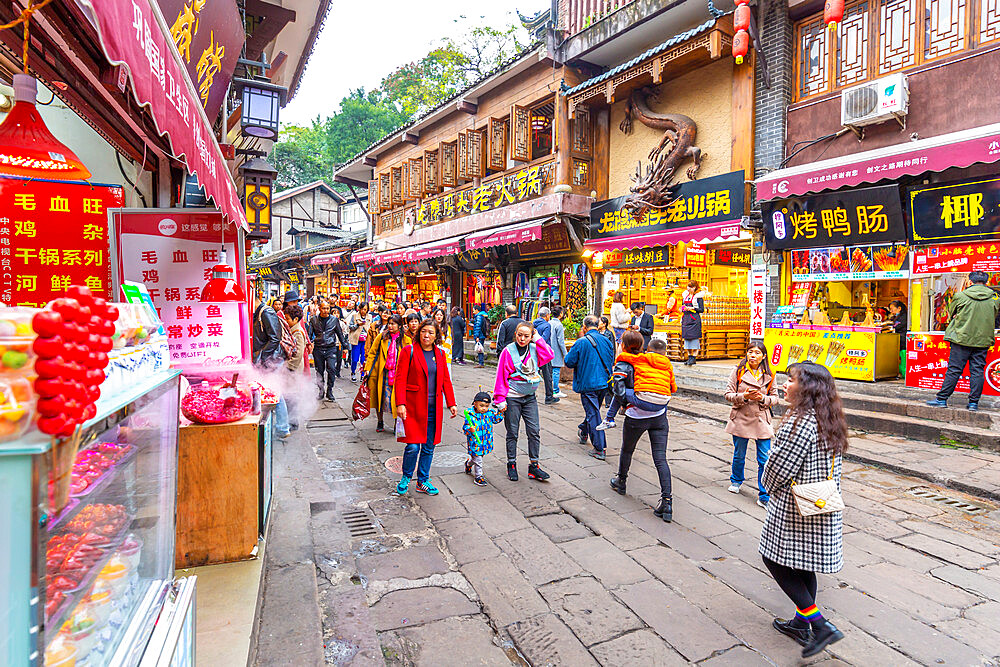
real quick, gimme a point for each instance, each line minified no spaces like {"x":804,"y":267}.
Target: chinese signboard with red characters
{"x":695,"y":255}
{"x":172,"y":252}
{"x":555,"y":240}
{"x":927,"y":362}
{"x":758,"y":296}
{"x":956,"y":212}
{"x":957,"y":258}
{"x":843,"y":218}
{"x":732,"y":257}
{"x":54,"y":234}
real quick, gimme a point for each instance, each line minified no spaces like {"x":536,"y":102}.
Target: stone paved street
{"x":569,"y":572}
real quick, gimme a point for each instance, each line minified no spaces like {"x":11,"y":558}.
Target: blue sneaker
{"x":937,"y":403}
{"x":404,"y":484}
{"x":427,"y":487}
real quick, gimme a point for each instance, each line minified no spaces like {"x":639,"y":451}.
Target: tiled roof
{"x":660,"y":48}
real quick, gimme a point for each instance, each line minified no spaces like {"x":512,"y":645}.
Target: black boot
{"x":512,"y":472}
{"x":789,"y":628}
{"x":824,"y":634}
{"x":665,"y":509}
{"x":535,"y":472}
{"x":618,"y":484}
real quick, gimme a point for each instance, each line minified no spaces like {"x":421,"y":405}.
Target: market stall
{"x":845,"y":260}
{"x":954,"y":233}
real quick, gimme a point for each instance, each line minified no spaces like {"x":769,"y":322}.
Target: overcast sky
{"x":363,"y":40}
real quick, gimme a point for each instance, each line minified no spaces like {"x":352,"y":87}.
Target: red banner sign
{"x":695,"y":255}
{"x":132,"y":34}
{"x":927,"y":362}
{"x":956,"y":258}
{"x":53,"y":234}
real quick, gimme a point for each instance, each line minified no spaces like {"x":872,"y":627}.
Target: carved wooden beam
{"x":465,"y":106}
{"x":411,"y":138}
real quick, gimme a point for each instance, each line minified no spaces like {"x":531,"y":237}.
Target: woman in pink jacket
{"x":518,"y":376}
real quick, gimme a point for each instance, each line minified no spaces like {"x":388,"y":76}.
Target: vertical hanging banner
{"x":54,"y":234}
{"x":757,"y":291}
{"x":172,"y":252}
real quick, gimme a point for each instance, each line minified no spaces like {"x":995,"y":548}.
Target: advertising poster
{"x":884,"y":262}
{"x":172,"y":252}
{"x":54,"y":234}
{"x":757,"y":291}
{"x":957,"y":258}
{"x":927,"y":361}
{"x":967,"y":211}
{"x":849,"y":355}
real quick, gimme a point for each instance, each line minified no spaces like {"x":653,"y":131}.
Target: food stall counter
{"x":849,"y":353}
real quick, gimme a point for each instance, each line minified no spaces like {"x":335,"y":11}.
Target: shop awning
{"x":135,"y":35}
{"x":509,"y":235}
{"x":363,"y":256}
{"x":717,"y":231}
{"x":327,"y":258}
{"x":437,"y":249}
{"x":955,"y":149}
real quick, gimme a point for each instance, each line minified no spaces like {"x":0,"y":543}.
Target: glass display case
{"x":94,"y":578}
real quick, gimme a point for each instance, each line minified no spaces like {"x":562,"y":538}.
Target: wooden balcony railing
{"x":581,"y":14}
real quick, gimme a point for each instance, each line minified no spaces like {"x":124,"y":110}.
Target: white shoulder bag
{"x":818,"y":497}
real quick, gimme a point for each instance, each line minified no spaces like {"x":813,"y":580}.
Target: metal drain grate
{"x":359,"y":523}
{"x":955,"y":503}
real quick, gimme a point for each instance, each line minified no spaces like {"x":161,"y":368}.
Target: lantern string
{"x":24,"y":19}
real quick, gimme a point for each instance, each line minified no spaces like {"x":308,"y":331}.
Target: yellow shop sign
{"x":849,"y":355}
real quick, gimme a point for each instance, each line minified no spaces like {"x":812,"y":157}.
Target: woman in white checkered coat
{"x":812,"y":438}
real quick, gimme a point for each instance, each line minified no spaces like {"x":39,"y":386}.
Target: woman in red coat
{"x":422,"y":365}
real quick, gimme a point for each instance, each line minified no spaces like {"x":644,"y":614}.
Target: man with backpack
{"x":480,"y":330}
{"x":592,"y":358}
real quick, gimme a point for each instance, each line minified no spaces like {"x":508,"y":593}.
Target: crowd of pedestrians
{"x":401,"y":354}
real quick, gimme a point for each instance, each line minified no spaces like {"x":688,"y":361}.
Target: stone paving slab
{"x":641,"y":647}
{"x":467,"y":541}
{"x":945,"y":551}
{"x":975,"y":582}
{"x":588,"y":609}
{"x":414,"y":606}
{"x":506,"y":595}
{"x":606,"y":523}
{"x":561,"y":527}
{"x":608,"y":563}
{"x":540,"y":560}
{"x":494,"y":513}
{"x":546,"y":640}
{"x":739,"y":656}
{"x":433,"y":644}
{"x":412,"y":563}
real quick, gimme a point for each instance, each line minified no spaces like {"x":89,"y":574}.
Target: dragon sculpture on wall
{"x":656,"y":189}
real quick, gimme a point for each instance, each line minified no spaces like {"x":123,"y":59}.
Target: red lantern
{"x":741,"y":45}
{"x":833,"y":13}
{"x":741,"y":21}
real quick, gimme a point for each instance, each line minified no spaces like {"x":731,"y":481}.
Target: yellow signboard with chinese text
{"x":849,"y":355}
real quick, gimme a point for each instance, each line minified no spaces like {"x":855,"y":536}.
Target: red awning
{"x":134,"y":34}
{"x":363,"y":256}
{"x":436,"y":249}
{"x":328,"y":258}
{"x":956,"y":149}
{"x":717,"y":231}
{"x":509,"y":235}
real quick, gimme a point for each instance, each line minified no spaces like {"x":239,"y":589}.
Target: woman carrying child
{"x":651,"y":376}
{"x":751,"y":391}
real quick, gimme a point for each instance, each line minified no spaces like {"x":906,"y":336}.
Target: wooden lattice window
{"x":397,"y":186}
{"x":581,"y":173}
{"x":416,"y":177}
{"x":878,"y":37}
{"x":432,"y":180}
{"x":384,"y":194}
{"x":406,"y":180}
{"x":477,"y":161}
{"x":449,"y":164}
{"x":497,"y":153}
{"x":373,"y":196}
{"x":520,"y":133}
{"x":463,"y":156}
{"x":582,"y":137}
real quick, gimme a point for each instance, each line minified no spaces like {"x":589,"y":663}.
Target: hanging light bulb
{"x":222,"y":286}
{"x":27,"y":148}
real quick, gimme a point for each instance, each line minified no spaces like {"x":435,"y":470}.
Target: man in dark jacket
{"x":544,"y":330}
{"x":971,"y":334}
{"x":480,"y":331}
{"x":591,"y":359}
{"x":505,"y":334}
{"x":643,"y":323}
{"x":267,"y":352}
{"x":329,"y":341}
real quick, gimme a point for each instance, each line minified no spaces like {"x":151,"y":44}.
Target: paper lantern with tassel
{"x":833,"y":13}
{"x":741,"y":45}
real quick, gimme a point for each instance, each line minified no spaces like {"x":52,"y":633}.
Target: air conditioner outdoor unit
{"x":875,"y":102}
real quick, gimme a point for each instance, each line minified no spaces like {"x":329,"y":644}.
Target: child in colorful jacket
{"x":478,"y":428}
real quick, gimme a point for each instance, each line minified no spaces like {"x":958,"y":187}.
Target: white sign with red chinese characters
{"x":172,"y":253}
{"x":758,"y":297}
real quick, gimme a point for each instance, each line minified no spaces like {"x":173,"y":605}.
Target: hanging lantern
{"x":741,"y":45}
{"x":833,"y":13}
{"x":258,"y":176}
{"x":222,"y":286}
{"x":741,"y":20}
{"x":259,"y":111}
{"x":27,"y":148}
